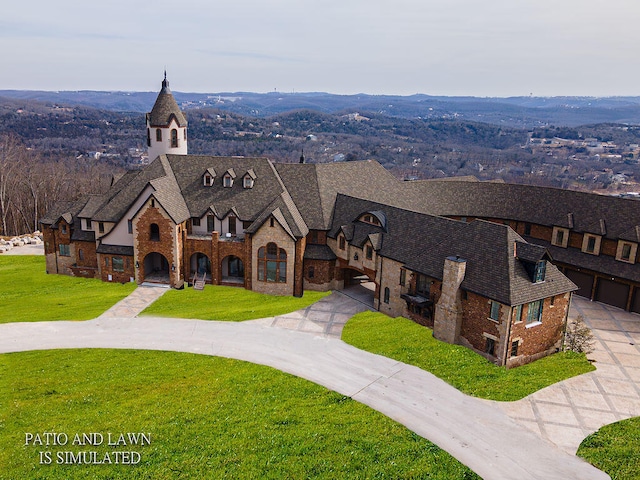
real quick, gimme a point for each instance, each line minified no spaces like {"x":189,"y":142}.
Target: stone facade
{"x":447,"y":320}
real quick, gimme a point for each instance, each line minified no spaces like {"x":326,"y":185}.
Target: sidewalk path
{"x":132,"y":305}
{"x":476,"y":432}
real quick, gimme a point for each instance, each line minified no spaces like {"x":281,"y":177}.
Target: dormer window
{"x":208,"y":180}
{"x":627,"y":251}
{"x":227,"y":181}
{"x":560,"y":237}
{"x":591,"y":244}
{"x":248,"y":182}
{"x":369,"y":218}
{"x":540,"y":271}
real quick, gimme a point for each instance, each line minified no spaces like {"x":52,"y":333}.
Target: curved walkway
{"x":474,"y":431}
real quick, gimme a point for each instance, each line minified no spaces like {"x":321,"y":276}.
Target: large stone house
{"x":480,"y":281}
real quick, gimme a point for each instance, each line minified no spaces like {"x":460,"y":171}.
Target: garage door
{"x":635,"y":304}
{"x":612,"y":293}
{"x":583,"y":280}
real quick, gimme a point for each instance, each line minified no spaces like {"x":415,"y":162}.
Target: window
{"x":148,"y":137}
{"x":64,"y":250}
{"x":154,"y":232}
{"x":174,"y":138}
{"x":422,"y":286}
{"x":272,"y":222}
{"x":232,"y":225}
{"x":591,"y":244}
{"x":495,"y":311}
{"x":208,"y":180}
{"x":527,"y":229}
{"x":559,"y":237}
{"x":210,"y":223}
{"x":517,"y":314}
{"x":195,"y":222}
{"x":64,"y":228}
{"x":80,"y":254}
{"x":118,"y":264}
{"x":403,"y":277}
{"x":387,"y":292}
{"x":539,"y":273}
{"x":514,"y":348}
{"x":534,"y":312}
{"x":272,"y":264}
{"x":227,"y":181}
{"x":490,"y":346}
{"x":101,"y":227}
{"x":247,"y":182}
{"x":312,"y":272}
{"x":158,"y":135}
{"x":626,"y":252}
{"x":341,"y":242}
{"x":106,"y":262}
{"x":88,"y":223}
{"x":552,"y":301}
{"x":130,"y":226}
{"x":369,"y":252}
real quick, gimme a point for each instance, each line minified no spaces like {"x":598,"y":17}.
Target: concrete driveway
{"x":477,"y":432}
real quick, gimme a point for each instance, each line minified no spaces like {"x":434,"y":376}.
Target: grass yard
{"x":408,"y":342}
{"x":28,"y":294}
{"x":227,"y":303}
{"x":615,"y":449}
{"x":206,"y":417}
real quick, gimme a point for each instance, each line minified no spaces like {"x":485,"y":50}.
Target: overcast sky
{"x":437,"y":47}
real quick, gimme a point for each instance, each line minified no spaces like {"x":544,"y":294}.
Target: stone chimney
{"x":448,"y":315}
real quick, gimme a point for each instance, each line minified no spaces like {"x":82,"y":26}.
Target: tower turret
{"x":166,"y":125}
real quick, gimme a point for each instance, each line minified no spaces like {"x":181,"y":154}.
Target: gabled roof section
{"x":231,"y":172}
{"x":68,"y":211}
{"x":422,"y":242}
{"x":530,"y":252}
{"x":165,"y":109}
{"x":286,"y":214}
{"x":211,"y":171}
{"x":632,"y":235}
{"x":251,"y":174}
{"x":168,"y":194}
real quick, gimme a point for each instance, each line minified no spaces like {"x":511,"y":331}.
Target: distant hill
{"x":521,"y":112}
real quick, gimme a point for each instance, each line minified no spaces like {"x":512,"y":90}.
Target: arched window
{"x":174,"y":138}
{"x":154,"y":232}
{"x":272,"y":264}
{"x":158,"y":135}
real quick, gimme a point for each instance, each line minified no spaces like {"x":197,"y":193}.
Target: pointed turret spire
{"x":165,"y":83}
{"x":302,"y":156}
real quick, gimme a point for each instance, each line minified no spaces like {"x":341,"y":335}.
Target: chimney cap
{"x":456,"y":258}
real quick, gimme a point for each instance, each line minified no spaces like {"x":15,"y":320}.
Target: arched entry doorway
{"x":201,"y":265}
{"x":359,"y":286}
{"x":156,"y":268}
{"x":232,"y":270}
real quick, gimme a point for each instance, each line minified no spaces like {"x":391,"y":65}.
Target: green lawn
{"x":28,"y":294}
{"x":408,"y":342}
{"x":615,"y":449}
{"x":207,"y":417}
{"x":227,"y":303}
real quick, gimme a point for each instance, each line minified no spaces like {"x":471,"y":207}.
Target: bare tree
{"x":578,"y":337}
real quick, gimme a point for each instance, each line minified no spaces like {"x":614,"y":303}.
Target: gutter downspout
{"x":507,"y":349}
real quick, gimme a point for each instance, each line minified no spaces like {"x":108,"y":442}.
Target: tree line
{"x":31,"y":185}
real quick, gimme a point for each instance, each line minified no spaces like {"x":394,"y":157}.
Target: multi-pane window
{"x":210,"y":223}
{"x":490,"y":346}
{"x":517,"y":314}
{"x":118,"y":264}
{"x":403,"y":277}
{"x":514,"y":348}
{"x":64,"y":250}
{"x":272,"y":264}
{"x":422,"y":286}
{"x":495,"y":311}
{"x":534,"y":312}
{"x":158,"y":135}
{"x":195,"y":222}
{"x":540,"y":271}
{"x":174,"y":138}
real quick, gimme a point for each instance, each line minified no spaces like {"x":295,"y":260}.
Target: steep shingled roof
{"x":165,"y":108}
{"x":423,"y":241}
{"x":582,"y":212}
